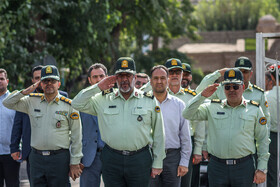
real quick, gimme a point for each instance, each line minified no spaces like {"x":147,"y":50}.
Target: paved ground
{"x":25,"y":183}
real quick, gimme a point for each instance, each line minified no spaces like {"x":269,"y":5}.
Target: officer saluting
{"x":54,"y":124}
{"x":129,"y":121}
{"x":234,"y":124}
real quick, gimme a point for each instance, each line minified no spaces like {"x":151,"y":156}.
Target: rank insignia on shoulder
{"x":258,"y":88}
{"x":216,"y":101}
{"x":148,"y":95}
{"x":74,"y":115}
{"x":66,"y":100}
{"x":157,"y":109}
{"x":254,"y":103}
{"x":36,"y":95}
{"x":266,"y":104}
{"x":262,"y":121}
{"x":107,"y":91}
{"x":192,"y":92}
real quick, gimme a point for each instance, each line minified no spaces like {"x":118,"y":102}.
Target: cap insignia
{"x":231,"y":73}
{"x":174,"y":62}
{"x":124,"y":64}
{"x":49,"y":69}
{"x":184,"y":66}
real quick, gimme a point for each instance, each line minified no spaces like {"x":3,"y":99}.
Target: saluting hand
{"x":259,"y":177}
{"x":207,"y":92}
{"x":181,"y":171}
{"x":107,"y":82}
{"x":31,"y":88}
{"x":222,"y":71}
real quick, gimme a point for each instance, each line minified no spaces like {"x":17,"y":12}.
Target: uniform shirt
{"x":177,"y":132}
{"x":53,"y":125}
{"x":6,"y":125}
{"x":232,"y":131}
{"x":272,"y":103}
{"x":252,"y":92}
{"x":125,"y":124}
{"x":197,"y":128}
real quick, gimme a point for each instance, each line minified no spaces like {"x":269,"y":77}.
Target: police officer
{"x":54,"y":125}
{"x":187,"y":75}
{"x":130,"y":122}
{"x":234,"y":124}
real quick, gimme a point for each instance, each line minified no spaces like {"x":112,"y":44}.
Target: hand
{"x":16,"y":156}
{"x":181,"y":171}
{"x":222,"y":71}
{"x":107,"y":83}
{"x":197,"y":159}
{"x":155,"y":172}
{"x":31,"y":88}
{"x":75,"y":171}
{"x":259,"y":177}
{"x":207,"y":92}
{"x":205,"y":155}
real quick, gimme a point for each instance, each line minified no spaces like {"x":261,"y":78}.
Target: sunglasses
{"x":177,"y":72}
{"x":235,"y":87}
{"x":46,"y":81}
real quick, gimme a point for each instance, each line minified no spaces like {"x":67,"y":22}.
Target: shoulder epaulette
{"x":254,"y":103}
{"x":258,"y":88}
{"x":66,"y":100}
{"x":36,"y":95}
{"x":216,"y":101}
{"x":192,"y":92}
{"x":148,"y":95}
{"x":107,"y":91}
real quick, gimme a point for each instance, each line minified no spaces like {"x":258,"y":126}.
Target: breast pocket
{"x":37,"y":119}
{"x":247,"y":122}
{"x":220,"y":120}
{"x":141,"y":116}
{"x":111,"y":115}
{"x":60,"y":122}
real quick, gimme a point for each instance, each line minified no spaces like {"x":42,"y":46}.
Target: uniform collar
{"x":135,"y":93}
{"x":243,"y":103}
{"x":55,"y":100}
{"x":180,"y":92}
{"x":250,"y":87}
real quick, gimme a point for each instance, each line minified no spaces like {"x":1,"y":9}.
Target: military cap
{"x":173,"y":63}
{"x":233,"y":76}
{"x":125,"y":65}
{"x":243,"y":63}
{"x":50,"y":71}
{"x":186,"y":67}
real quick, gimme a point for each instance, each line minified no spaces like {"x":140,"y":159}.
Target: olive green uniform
{"x":54,"y":126}
{"x":231,"y":135}
{"x":125,"y":125}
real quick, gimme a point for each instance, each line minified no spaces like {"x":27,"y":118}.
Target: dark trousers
{"x":239,"y":175}
{"x":168,"y":177}
{"x":272,"y":162}
{"x":49,"y":171}
{"x":126,"y":171}
{"x":9,"y":171}
{"x":91,"y":175}
{"x":196,"y":176}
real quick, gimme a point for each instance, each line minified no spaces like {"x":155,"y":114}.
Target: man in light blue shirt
{"x":9,"y":169}
{"x":177,"y":133}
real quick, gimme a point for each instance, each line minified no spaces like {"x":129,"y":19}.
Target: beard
{"x":185,"y":83}
{"x":131,"y":85}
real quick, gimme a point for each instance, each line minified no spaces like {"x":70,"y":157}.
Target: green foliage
{"x":234,"y":14}
{"x":81,"y":32}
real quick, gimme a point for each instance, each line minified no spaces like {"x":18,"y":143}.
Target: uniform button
{"x":96,"y":130}
{"x":95,"y":141}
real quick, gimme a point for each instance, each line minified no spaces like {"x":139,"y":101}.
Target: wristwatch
{"x":263,"y":170}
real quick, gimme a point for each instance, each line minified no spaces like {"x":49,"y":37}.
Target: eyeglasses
{"x":235,"y":87}
{"x":46,"y":81}
{"x":177,"y":72}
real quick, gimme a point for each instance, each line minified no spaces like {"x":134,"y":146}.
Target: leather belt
{"x":231,"y":161}
{"x":49,"y":152}
{"x":171,"y":149}
{"x":127,"y":153}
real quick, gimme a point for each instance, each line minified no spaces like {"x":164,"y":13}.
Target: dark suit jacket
{"x":22,"y":131}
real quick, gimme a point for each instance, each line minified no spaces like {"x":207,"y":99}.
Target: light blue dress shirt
{"x":6,"y":124}
{"x":177,"y":131}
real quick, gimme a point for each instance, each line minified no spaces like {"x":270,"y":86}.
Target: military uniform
{"x":54,"y":126}
{"x":272,"y":163}
{"x":230,"y":140}
{"x":127,"y":127}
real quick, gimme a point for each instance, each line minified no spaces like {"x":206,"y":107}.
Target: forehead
{"x":97,"y":71}
{"x":37,"y":73}
{"x":2,"y":75}
{"x":159,"y":72}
